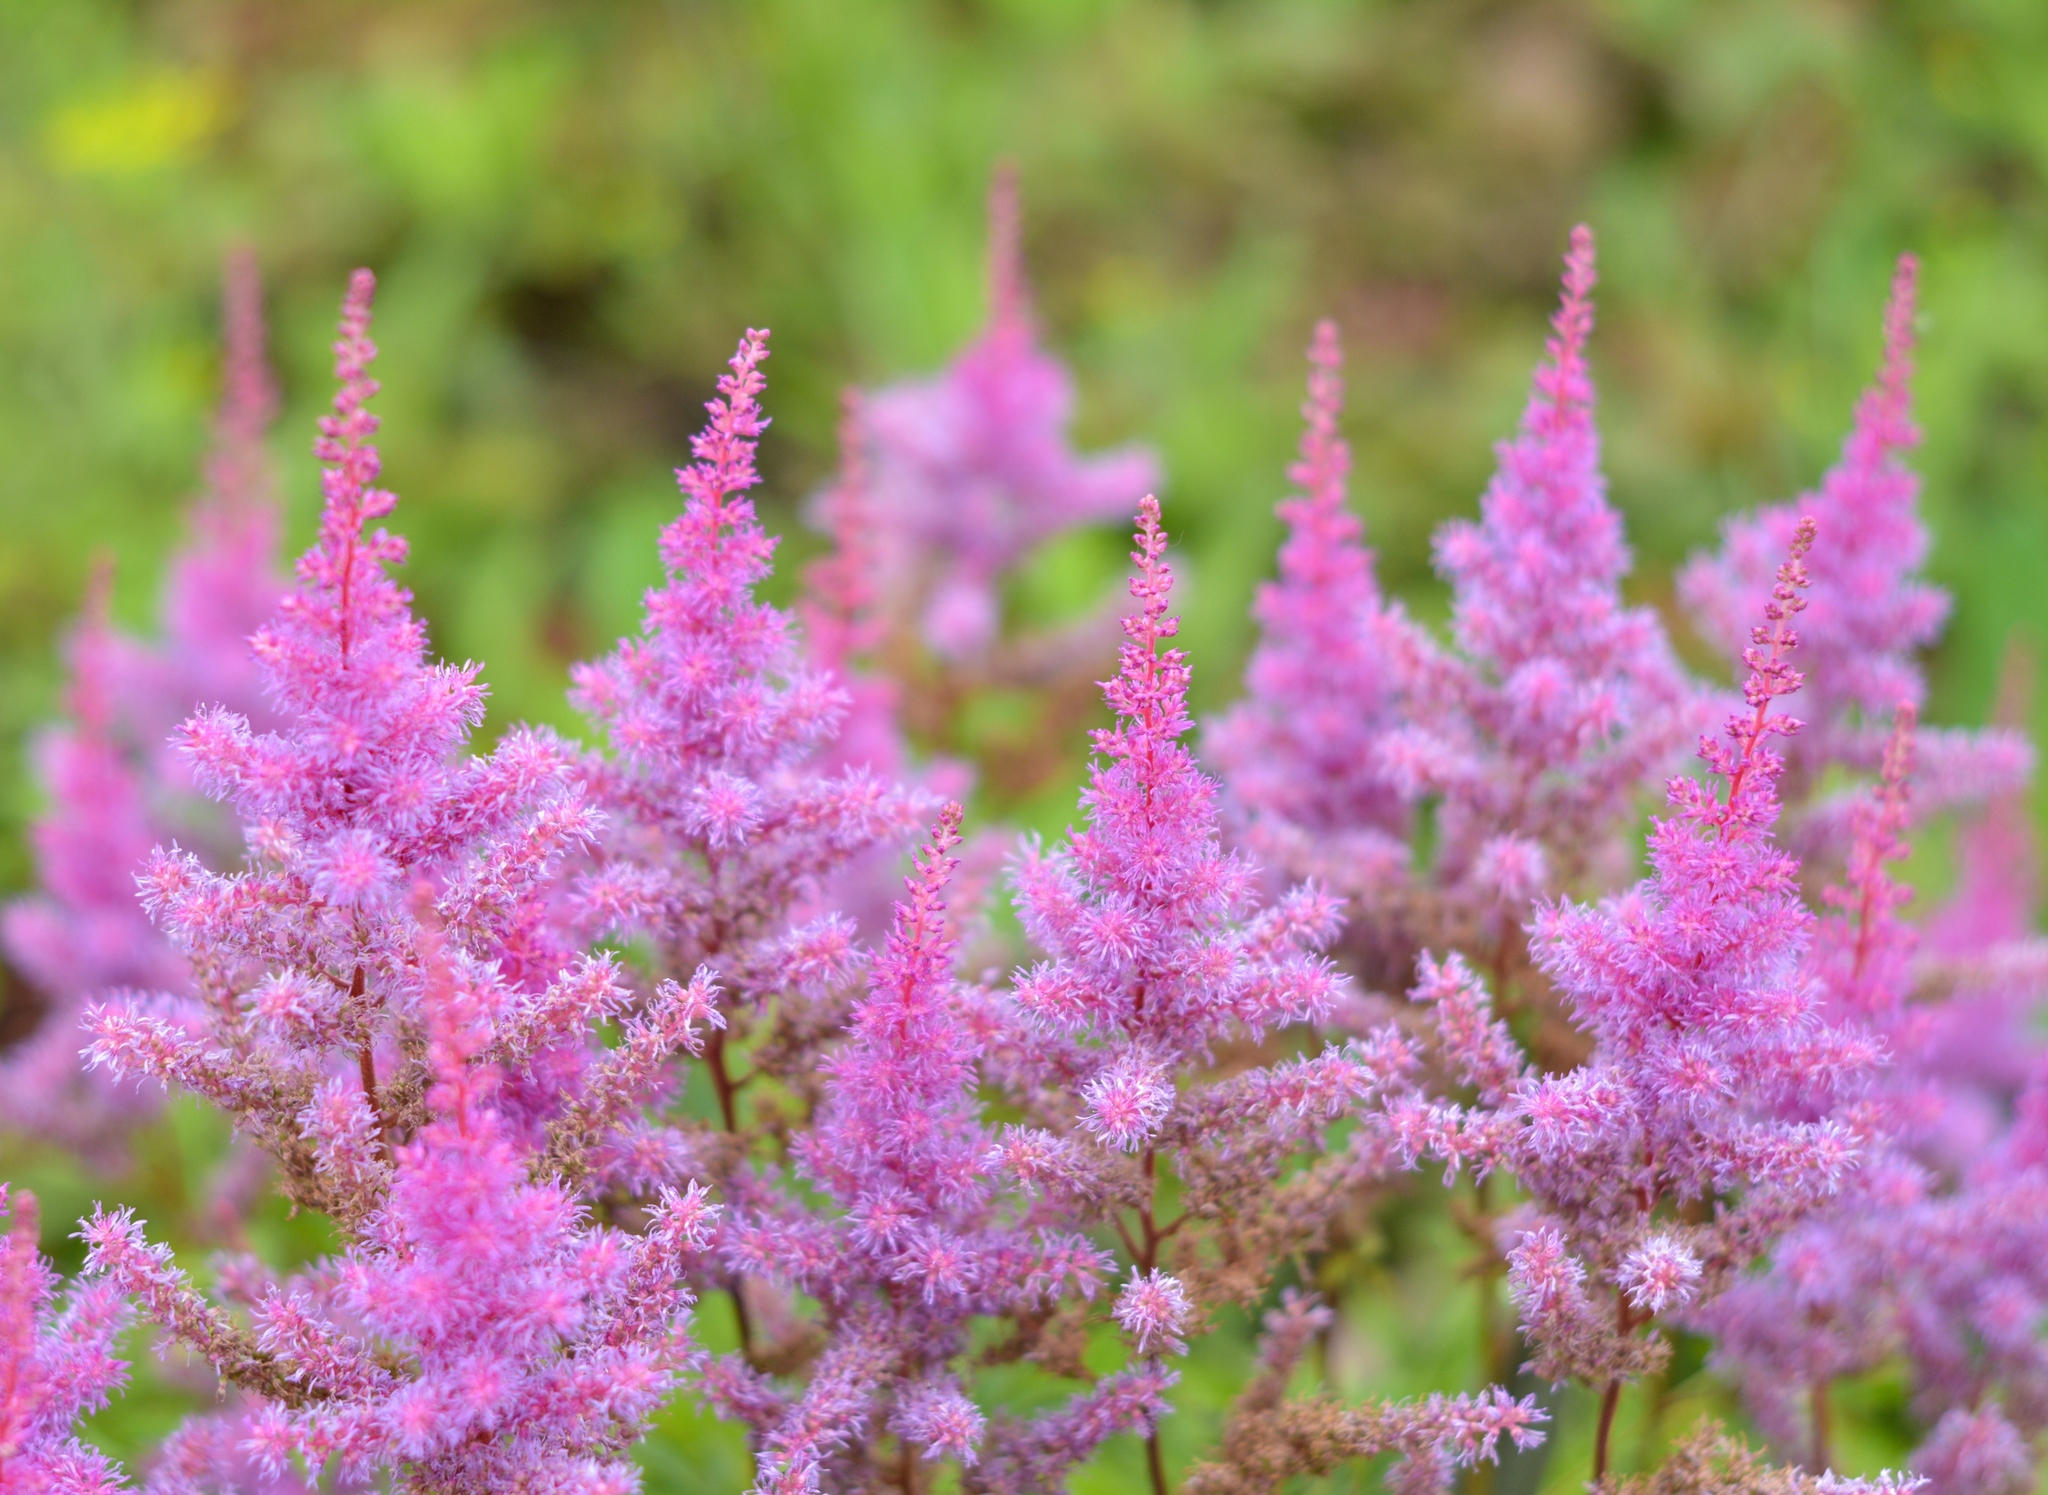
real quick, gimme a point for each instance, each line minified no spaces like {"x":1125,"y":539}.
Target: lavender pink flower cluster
{"x":579,"y":1047}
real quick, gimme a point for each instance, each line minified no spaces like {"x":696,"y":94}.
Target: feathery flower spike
{"x":972,"y":469}
{"x":1564,"y":704}
{"x":1872,"y":613}
{"x":1704,"y":1029}
{"x":1303,"y":755}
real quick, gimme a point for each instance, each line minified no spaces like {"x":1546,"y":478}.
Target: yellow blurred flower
{"x":159,"y":120}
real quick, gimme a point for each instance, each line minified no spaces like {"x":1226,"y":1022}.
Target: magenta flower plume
{"x":1304,"y":755}
{"x":306,"y":960}
{"x":727,"y":824}
{"x":842,"y":609}
{"x":899,"y":1120}
{"x":729,"y":820}
{"x":1139,"y":912}
{"x":1157,"y":951}
{"x":83,"y":932}
{"x":115,"y":787}
{"x":916,"y":1247}
{"x":56,"y":1365}
{"x":511,"y":1022}
{"x":1566,"y":704}
{"x":1861,"y":956}
{"x":972,"y":469}
{"x":846,"y":634}
{"x":1930,"y":1251}
{"x":1705,"y":1032}
{"x":1872,"y":612}
{"x":226,"y":583}
{"x":1980,"y":944}
{"x":1944,"y":1273}
{"x":1557,"y":709}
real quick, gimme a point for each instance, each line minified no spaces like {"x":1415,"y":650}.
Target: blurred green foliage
{"x":576,"y":206}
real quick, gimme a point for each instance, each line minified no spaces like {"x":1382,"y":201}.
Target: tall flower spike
{"x":972,"y":469}
{"x":1872,"y":612}
{"x":1983,"y":949}
{"x":898,"y":1119}
{"x":1931,"y":1252}
{"x":1157,"y":952}
{"x":841,"y":608}
{"x":115,"y":785}
{"x":306,"y":960}
{"x":226,"y":583}
{"x":1303,"y":756}
{"x":1139,"y":913}
{"x":56,"y":1365}
{"x":1998,"y":873}
{"x":1566,"y":705}
{"x":1705,"y":1036}
{"x":1863,"y":954}
{"x":1942,"y":1274}
{"x":730,"y":818}
{"x":916,"y":1247}
{"x":84,"y":932}
{"x":846,"y":632}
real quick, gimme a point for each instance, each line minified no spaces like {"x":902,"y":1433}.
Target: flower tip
{"x":1326,"y":347}
{"x":1580,"y":274}
{"x":1900,"y":308}
{"x":1008,"y":300}
{"x":355,"y":305}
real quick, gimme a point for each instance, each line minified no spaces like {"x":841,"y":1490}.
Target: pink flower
{"x":1155,"y":1307}
{"x":972,"y":469}
{"x":1872,"y":614}
{"x":1660,"y":1273}
{"x":1303,"y":755}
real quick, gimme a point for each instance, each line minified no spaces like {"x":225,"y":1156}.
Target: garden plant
{"x":721,"y":1059}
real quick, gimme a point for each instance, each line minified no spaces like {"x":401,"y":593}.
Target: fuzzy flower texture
{"x":639,"y":1071}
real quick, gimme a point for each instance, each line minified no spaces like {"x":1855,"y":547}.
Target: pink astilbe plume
{"x":1530,"y":741}
{"x":841,"y":609}
{"x":56,"y":1365}
{"x":1158,"y":952}
{"x":305,"y":962}
{"x":1872,"y":612}
{"x":1985,"y":960}
{"x":564,"y":1045}
{"x":972,"y":469}
{"x":1944,"y":1272}
{"x":1304,"y":755}
{"x":916,"y":1244}
{"x":83,"y":932}
{"x":729,"y":821}
{"x":116,"y":788}
{"x":1670,"y":1158}
{"x":226,"y":582}
{"x":1562,"y":705}
{"x":846,"y":628}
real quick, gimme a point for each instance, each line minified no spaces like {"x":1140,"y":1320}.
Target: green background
{"x":575,"y":207}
